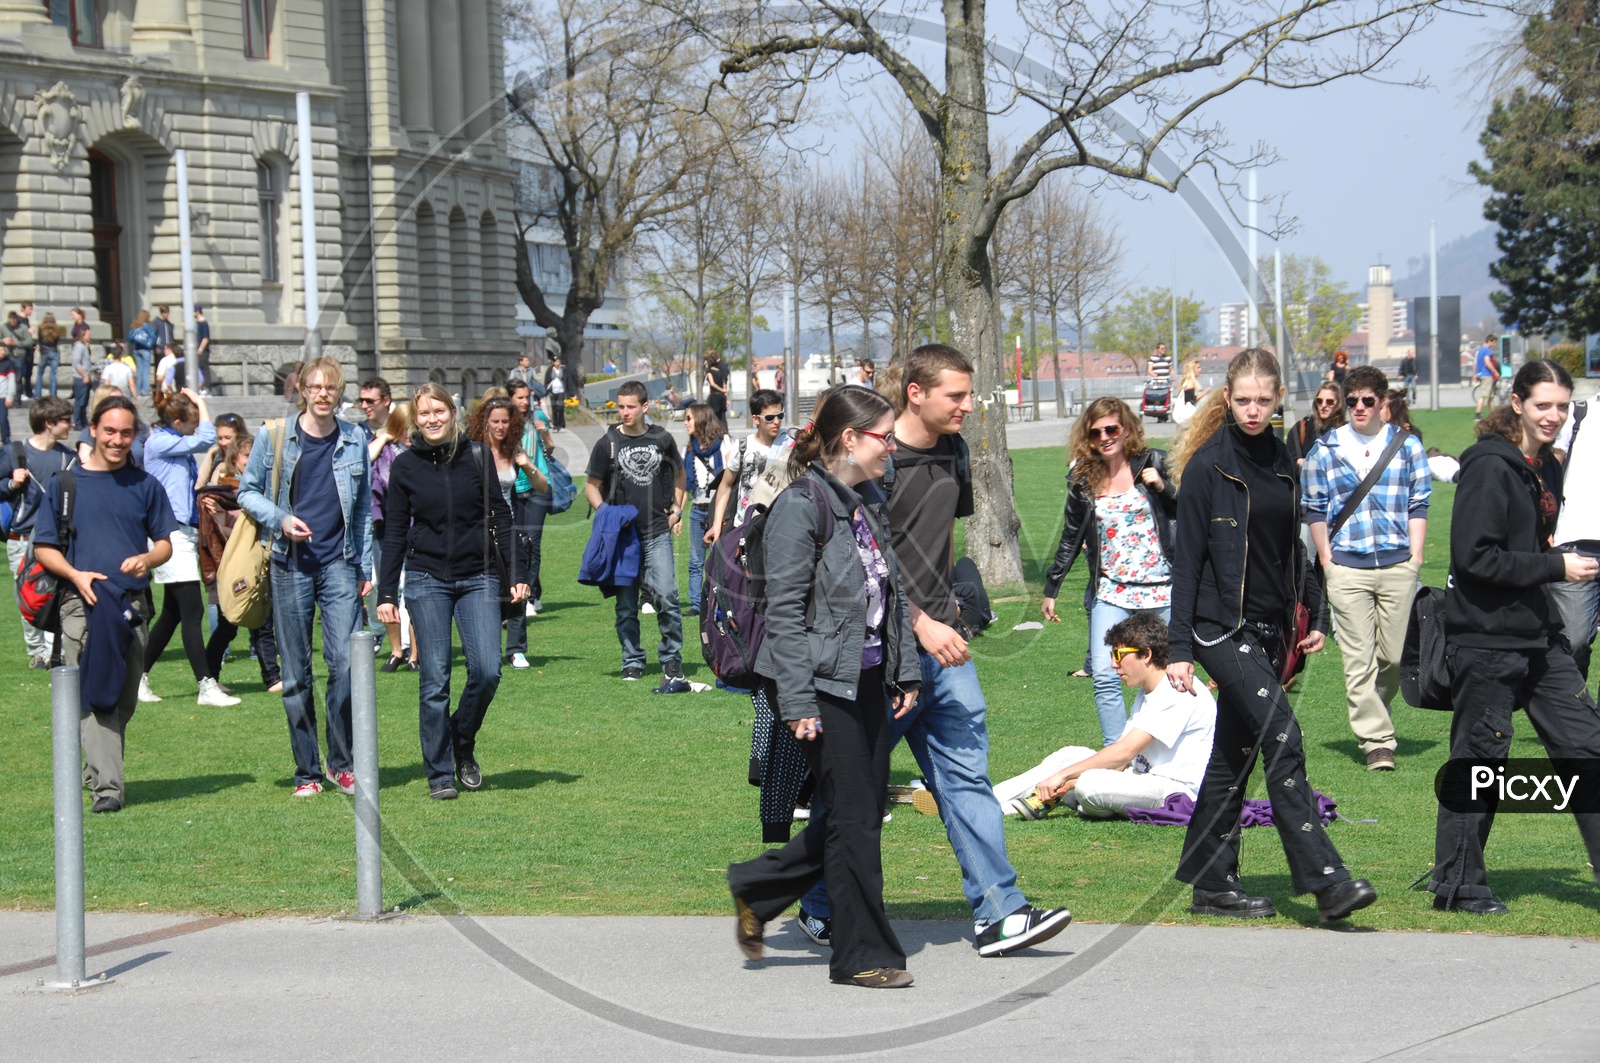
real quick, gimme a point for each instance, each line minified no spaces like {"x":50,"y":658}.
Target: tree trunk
{"x":1033,"y":344}
{"x":1055,"y":360}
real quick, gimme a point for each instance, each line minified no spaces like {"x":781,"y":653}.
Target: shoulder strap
{"x":1367,"y":483}
{"x":69,"y":499}
{"x":19,"y":452}
{"x":277,"y":453}
{"x":1580,"y":410}
{"x":819,"y":496}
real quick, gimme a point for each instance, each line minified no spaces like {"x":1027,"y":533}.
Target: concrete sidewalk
{"x":677,"y":989}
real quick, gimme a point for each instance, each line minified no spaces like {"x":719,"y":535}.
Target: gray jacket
{"x":819,"y":603}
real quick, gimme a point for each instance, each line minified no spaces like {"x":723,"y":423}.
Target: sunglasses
{"x":1109,"y":432}
{"x":1329,"y":403}
{"x":1120,"y":652}
{"x":770,"y":418}
{"x":1369,"y":401}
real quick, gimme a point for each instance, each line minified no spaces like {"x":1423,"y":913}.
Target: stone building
{"x":413,"y":188}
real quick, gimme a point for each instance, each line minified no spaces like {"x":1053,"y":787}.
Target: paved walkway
{"x":562,"y":988}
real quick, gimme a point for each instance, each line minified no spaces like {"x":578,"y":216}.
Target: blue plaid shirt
{"x":1378,"y":533}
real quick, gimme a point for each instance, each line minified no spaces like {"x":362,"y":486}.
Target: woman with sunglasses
{"x":1327,"y":413}
{"x":1120,"y":509}
{"x":1235,"y":586}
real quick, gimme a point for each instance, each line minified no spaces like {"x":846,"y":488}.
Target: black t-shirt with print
{"x":639,"y":471}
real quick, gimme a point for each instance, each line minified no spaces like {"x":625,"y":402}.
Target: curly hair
{"x":478,"y":427}
{"x":1087,"y":464}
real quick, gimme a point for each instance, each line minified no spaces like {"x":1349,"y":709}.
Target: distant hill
{"x":1463,"y":270}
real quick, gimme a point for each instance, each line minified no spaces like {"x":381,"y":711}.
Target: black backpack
{"x":1424,"y":672}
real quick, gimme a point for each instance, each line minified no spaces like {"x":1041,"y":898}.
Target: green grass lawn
{"x":604,"y":798}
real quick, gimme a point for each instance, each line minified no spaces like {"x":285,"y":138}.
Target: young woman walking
{"x":840,"y":648}
{"x":702,"y":471}
{"x":1120,"y":509}
{"x":497,"y":424}
{"x":1236,"y":584}
{"x":447,"y":524}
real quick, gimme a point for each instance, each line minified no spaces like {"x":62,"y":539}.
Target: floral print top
{"x":877,"y":573}
{"x":1134,"y":573}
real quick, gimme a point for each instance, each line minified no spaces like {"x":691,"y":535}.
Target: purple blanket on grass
{"x":1179,"y":808}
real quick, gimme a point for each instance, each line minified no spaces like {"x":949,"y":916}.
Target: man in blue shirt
{"x":1485,"y":375}
{"x":202,"y":350}
{"x":320,"y":526}
{"x":119,"y":511}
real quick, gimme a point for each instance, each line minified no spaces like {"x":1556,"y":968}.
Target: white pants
{"x":38,"y":642}
{"x":1098,"y":794}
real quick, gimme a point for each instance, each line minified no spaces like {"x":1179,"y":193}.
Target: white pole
{"x":1175,"y":358}
{"x":1433,"y":315}
{"x":1284,"y":361}
{"x":1252,"y":336}
{"x":791,"y":381}
{"x":308,"y":224}
{"x":185,"y":261}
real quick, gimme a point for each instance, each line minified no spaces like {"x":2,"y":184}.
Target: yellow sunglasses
{"x":1119,"y":652}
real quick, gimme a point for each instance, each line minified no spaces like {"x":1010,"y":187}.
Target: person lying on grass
{"x":1163,"y":750}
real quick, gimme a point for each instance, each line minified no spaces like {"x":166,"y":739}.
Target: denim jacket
{"x":352,"y":473}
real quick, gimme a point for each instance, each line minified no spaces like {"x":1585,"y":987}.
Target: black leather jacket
{"x":1080,"y":531}
{"x":1213,"y":518}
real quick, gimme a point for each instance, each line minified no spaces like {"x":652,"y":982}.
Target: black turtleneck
{"x":1269,"y":560}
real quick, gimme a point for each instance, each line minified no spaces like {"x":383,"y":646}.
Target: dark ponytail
{"x":837,"y":408}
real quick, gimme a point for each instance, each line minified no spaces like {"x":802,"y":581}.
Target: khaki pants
{"x":1371,"y":608}
{"x":103,"y":733}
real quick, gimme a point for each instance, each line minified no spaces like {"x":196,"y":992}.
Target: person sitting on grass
{"x":1163,"y":750}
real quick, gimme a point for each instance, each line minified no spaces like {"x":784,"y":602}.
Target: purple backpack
{"x":733,"y":602}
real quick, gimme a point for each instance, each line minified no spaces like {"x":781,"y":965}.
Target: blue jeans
{"x":1578,"y":609}
{"x":49,"y":358}
{"x":659,"y":576}
{"x":699,"y":521}
{"x":949,"y":737}
{"x":1108,"y":697}
{"x":528,"y":514}
{"x":141,"y":369}
{"x":448,"y":740}
{"x":80,"y":402}
{"x":296,"y":596}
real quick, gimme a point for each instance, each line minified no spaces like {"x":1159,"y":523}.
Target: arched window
{"x":269,"y":204}
{"x":428,"y":291}
{"x":465,"y":292}
{"x":469,"y":386}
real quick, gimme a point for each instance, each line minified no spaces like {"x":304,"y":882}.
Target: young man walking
{"x":202,"y":351}
{"x":745,"y":463}
{"x":638,"y":465}
{"x":1578,"y":531}
{"x":320,"y":527}
{"x":23,"y":483}
{"x":555,"y":383}
{"x":1485,"y":376}
{"x":1370,"y":544}
{"x":947,"y":731}
{"x":120,"y":530}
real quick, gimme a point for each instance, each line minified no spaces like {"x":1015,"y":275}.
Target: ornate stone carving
{"x":132,"y":95}
{"x":56,"y":121}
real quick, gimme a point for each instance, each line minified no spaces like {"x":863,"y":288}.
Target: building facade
{"x":412,"y":185}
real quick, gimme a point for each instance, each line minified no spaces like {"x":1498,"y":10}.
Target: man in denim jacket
{"x":320,"y":526}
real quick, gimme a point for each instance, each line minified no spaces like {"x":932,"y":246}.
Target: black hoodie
{"x":1499,"y":561}
{"x":435,"y":520}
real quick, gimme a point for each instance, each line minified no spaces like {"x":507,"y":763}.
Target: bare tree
{"x":1125,"y":94}
{"x":690,"y":249}
{"x":749,"y":259}
{"x":829,"y":284}
{"x":1083,"y":261}
{"x":905,"y":227}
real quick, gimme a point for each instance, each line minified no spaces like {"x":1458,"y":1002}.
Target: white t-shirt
{"x":1362,"y":452}
{"x":117,"y":374}
{"x":1580,"y":509}
{"x":1182,"y":726}
{"x":166,"y":370}
{"x":747,"y":459}
{"x":1444,"y":468}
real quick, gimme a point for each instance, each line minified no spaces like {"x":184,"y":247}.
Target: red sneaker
{"x":344,"y":780}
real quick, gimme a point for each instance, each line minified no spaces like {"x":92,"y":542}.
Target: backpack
{"x":8,"y":512}
{"x":1424,"y":672}
{"x":244,"y":576}
{"x":38,"y":589}
{"x":563,"y":492}
{"x":963,"y":469}
{"x":733,"y":603}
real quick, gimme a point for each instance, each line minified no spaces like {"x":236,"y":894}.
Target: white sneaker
{"x":647,"y":608}
{"x":145,"y":694}
{"x":531,"y":609}
{"x":519,"y":660}
{"x":211,"y":694}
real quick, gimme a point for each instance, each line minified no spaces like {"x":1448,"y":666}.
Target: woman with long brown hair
{"x":391,"y":443}
{"x":48,"y":354}
{"x":1236,"y":585}
{"x":1327,"y":413}
{"x":702,"y":468}
{"x":498,"y":424}
{"x":1119,"y":511}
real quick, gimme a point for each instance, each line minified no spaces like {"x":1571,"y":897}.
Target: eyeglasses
{"x":1108,"y":433}
{"x":1369,"y":401}
{"x":1120,"y":652}
{"x":886,"y":438}
{"x":773,"y":418}
{"x":320,"y":389}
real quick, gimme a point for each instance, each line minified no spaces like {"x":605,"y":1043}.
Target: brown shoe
{"x":923,"y":801}
{"x":748,"y":931}
{"x":879,"y":978}
{"x":1380,"y":760}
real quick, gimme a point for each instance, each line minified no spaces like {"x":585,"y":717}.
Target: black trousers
{"x":182,"y":604}
{"x":1253,"y":716}
{"x":263,"y":640}
{"x":1487,"y":686}
{"x":851,"y":763}
{"x":558,"y":411}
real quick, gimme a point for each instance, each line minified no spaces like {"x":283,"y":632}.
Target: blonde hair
{"x":332,"y":376}
{"x":1087,"y":464}
{"x":1252,"y":361}
{"x":438,"y":394}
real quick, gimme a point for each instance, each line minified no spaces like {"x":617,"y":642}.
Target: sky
{"x":1364,"y":167}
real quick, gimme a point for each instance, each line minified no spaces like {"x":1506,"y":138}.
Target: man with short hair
{"x":1370,"y":561}
{"x":320,"y":528}
{"x":202,"y":350}
{"x":523,"y":372}
{"x":947,"y":730}
{"x":163,"y":328}
{"x":82,"y":337}
{"x":26,"y":347}
{"x":556,"y":382}
{"x":26,"y":469}
{"x":121,"y":530}
{"x":1578,"y":532}
{"x":638,"y":465}
{"x":376,"y":401}
{"x":1160,"y":363}
{"x":745,"y":463}
{"x":1485,"y":376}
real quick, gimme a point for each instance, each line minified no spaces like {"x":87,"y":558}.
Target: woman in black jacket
{"x":1120,"y":508}
{"x":1327,"y":413}
{"x":840,"y":651}
{"x":1239,"y":576}
{"x":1504,"y":645}
{"x":447,"y":524}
